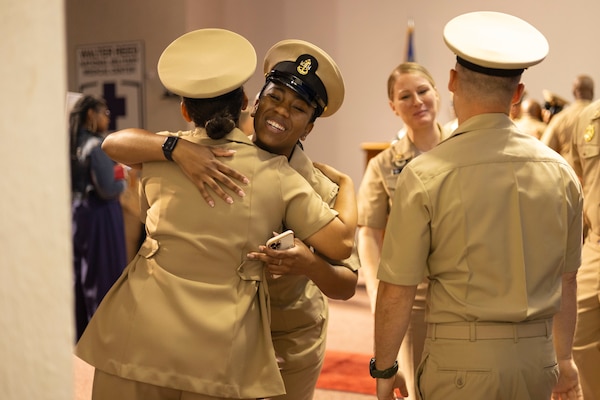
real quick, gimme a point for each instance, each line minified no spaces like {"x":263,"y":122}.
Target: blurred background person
{"x":559,"y":131}
{"x":585,"y":159}
{"x":553,"y":104}
{"x":414,"y":98}
{"x":531,"y":121}
{"x":99,"y":252}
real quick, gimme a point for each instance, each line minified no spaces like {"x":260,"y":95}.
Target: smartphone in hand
{"x":283,"y":241}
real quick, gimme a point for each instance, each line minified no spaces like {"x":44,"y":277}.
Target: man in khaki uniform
{"x":189,"y":317}
{"x":559,"y":131}
{"x":493,"y":218}
{"x":530,"y":120}
{"x":585,"y":158}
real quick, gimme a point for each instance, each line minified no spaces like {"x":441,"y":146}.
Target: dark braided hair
{"x":78,"y":118}
{"x":218,"y":115}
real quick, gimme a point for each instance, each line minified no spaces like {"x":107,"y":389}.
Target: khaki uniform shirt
{"x":534,"y":127}
{"x":191,"y":312}
{"x":296,"y":302}
{"x":559,"y":131}
{"x":585,"y":158}
{"x":378,"y":185}
{"x":493,"y":217}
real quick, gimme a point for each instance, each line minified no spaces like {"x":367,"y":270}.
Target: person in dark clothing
{"x":99,"y":253}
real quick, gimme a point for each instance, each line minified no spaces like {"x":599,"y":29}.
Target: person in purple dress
{"x":99,"y":252}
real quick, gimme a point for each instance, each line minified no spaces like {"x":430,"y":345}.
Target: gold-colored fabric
{"x":191,"y":312}
{"x":493,"y":218}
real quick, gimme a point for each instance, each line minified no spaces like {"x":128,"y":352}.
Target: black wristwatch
{"x":168,"y":147}
{"x":386,"y":373}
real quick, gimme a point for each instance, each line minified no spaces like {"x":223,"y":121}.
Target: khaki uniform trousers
{"x":586,"y":343}
{"x":112,"y":387}
{"x":304,"y":354}
{"x":488,"y":362}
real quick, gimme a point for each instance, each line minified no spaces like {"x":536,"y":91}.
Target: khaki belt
{"x":489,"y":330}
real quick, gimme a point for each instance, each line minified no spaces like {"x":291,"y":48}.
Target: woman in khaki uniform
{"x":413,"y":97}
{"x":189,"y":317}
{"x":298,"y":297}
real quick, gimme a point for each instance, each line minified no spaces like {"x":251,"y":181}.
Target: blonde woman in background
{"x":414,"y":98}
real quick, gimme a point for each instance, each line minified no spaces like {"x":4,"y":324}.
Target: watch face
{"x":168,"y":146}
{"x":170,"y":143}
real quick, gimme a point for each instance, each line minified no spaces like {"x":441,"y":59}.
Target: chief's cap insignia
{"x":304,"y":66}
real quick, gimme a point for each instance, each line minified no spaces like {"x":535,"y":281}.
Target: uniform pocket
{"x":589,"y":150}
{"x":439,"y":383}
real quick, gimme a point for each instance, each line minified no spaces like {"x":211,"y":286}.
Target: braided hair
{"x":78,"y":119}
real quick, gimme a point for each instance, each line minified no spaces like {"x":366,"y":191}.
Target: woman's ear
{"x":309,"y":128}
{"x":245,"y":102}
{"x":184,"y":113}
{"x":254,"y":108}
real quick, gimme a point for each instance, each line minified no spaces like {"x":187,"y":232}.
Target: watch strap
{"x":168,"y":146}
{"x":383,"y":374}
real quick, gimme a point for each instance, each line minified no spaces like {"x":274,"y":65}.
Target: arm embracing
{"x":343,"y":228}
{"x":199,"y":163}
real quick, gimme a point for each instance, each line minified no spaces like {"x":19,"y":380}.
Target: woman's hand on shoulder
{"x":201,"y":165}
{"x":333,"y":174}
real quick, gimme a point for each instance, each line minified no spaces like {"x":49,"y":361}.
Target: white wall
{"x":36,"y":322}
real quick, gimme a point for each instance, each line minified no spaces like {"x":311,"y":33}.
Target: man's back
{"x":498,"y":203}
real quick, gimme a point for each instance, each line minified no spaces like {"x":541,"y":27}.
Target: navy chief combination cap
{"x":309,"y":71}
{"x":206,"y":63}
{"x":494,"y":43}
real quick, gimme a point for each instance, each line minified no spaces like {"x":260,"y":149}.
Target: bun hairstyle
{"x":218,"y":115}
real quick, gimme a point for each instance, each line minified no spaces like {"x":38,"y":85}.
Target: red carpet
{"x":347,"y":372}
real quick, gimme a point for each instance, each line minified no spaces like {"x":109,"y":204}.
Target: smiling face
{"x":281,"y":118}
{"x":415,"y":100}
